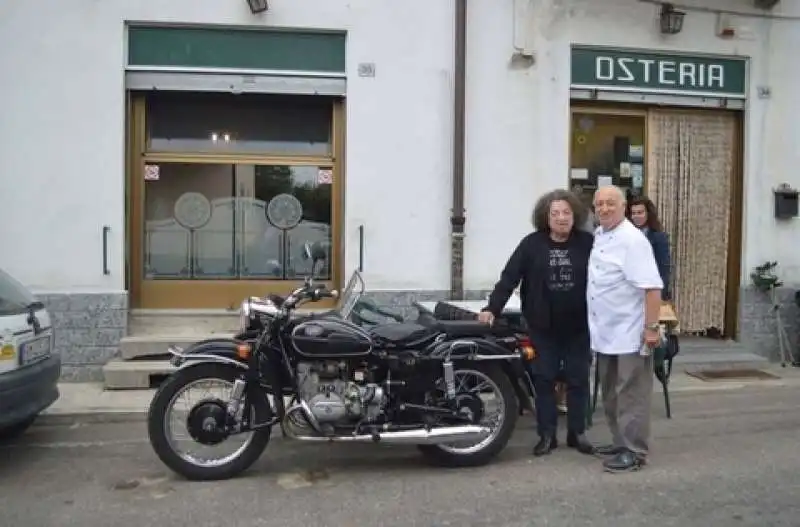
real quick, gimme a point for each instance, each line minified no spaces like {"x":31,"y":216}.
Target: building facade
{"x":175,"y":155}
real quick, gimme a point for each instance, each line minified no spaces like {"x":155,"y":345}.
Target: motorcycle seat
{"x":470,"y":328}
{"x":406,"y":335}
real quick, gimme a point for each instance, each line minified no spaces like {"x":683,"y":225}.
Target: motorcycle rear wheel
{"x":440,"y":455}
{"x":157,"y":429}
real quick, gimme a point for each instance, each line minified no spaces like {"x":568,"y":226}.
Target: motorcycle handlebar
{"x":307,"y":292}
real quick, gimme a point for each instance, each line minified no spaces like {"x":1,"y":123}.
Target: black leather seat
{"x":470,"y":328}
{"x":407,"y":335}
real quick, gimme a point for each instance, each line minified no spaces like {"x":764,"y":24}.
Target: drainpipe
{"x":457,"y":219}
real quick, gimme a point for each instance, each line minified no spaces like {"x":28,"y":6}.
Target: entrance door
{"x":225,"y":191}
{"x":688,"y":163}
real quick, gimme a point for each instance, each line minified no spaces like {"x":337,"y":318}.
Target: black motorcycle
{"x":429,"y":383}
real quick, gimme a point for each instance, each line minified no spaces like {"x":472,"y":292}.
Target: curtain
{"x":690,"y":168}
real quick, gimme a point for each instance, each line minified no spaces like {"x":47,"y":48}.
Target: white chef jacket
{"x":621,"y":268}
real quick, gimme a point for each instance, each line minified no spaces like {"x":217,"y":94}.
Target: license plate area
{"x":36,"y":350}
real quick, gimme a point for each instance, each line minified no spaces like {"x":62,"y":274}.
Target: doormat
{"x":732,"y":375}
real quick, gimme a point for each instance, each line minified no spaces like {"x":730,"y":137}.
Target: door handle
{"x":360,"y":248}
{"x":106,"y":231}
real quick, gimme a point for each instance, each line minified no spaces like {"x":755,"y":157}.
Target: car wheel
{"x":14,"y":431}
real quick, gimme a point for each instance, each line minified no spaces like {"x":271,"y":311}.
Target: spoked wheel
{"x":187,"y":419}
{"x":484,"y":395}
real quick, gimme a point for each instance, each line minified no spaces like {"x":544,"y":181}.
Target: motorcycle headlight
{"x":244,"y":315}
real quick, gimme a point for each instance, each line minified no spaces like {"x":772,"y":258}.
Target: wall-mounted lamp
{"x":258,"y":6}
{"x":671,"y":21}
{"x":765,"y":4}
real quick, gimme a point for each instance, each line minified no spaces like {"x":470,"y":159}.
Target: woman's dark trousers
{"x":552,"y":349}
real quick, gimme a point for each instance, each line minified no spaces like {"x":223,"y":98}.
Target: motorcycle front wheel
{"x":202,"y":419}
{"x":480,"y":386}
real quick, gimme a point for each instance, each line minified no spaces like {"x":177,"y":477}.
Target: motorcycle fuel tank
{"x":331,"y":338}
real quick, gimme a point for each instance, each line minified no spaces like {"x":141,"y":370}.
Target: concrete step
{"x":150,"y":332}
{"x":135,"y":374}
{"x":184,"y":322}
{"x":702,"y":354}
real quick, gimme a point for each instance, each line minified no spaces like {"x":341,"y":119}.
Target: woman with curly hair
{"x":551,"y":265}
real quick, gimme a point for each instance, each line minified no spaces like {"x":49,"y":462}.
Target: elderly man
{"x":624,"y":299}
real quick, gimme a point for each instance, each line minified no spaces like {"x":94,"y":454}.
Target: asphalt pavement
{"x":727,"y":458}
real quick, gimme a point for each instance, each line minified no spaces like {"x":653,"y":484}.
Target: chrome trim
{"x":263,"y":306}
{"x":421,"y":436}
{"x":491,"y":357}
{"x":471,"y":344}
{"x":211,"y":358}
{"x":302,"y":406}
{"x":186,"y":358}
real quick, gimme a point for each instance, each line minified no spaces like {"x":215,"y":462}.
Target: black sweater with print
{"x":553,"y":282}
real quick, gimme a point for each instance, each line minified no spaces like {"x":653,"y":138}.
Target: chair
{"x":662,"y":366}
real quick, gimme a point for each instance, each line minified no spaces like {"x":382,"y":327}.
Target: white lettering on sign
{"x":624,"y":64}
{"x":665,"y":72}
{"x":646,"y":65}
{"x":604,"y":69}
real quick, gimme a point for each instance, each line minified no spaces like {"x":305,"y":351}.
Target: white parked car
{"x":29,"y":370}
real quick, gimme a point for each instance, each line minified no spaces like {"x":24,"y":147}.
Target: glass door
{"x":209,"y":221}
{"x":224,"y":211}
{"x":607,"y":147}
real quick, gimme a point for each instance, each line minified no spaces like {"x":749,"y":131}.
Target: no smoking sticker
{"x":151,"y":172}
{"x":325,"y":176}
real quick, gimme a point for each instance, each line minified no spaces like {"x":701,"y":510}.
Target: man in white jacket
{"x":624,"y":300}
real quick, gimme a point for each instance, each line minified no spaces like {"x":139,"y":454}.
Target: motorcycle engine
{"x":333,"y":396}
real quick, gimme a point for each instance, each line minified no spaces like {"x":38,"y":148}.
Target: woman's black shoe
{"x":545,"y":446}
{"x":580,"y":443}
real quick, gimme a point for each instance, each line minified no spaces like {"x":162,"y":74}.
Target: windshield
{"x":351,"y":294}
{"x":14,"y":298}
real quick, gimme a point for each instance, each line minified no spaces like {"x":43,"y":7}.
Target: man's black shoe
{"x":623,"y":462}
{"x":545,"y":445}
{"x":580,"y":443}
{"x":608,"y":450}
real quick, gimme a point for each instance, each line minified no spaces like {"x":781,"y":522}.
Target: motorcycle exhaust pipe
{"x":421,"y":436}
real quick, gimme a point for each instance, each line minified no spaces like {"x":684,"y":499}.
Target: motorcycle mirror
{"x":317,"y":251}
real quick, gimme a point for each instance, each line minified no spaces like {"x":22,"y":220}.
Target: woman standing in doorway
{"x":552,"y":265}
{"x":642,"y":213}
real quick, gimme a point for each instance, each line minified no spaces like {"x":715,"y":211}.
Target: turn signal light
{"x":525,"y":346}
{"x":8,"y":352}
{"x":243,"y":350}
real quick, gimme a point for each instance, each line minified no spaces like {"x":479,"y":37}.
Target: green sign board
{"x":651,"y":72}
{"x":243,"y":49}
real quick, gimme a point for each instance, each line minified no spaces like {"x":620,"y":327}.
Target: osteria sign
{"x":657,"y":72}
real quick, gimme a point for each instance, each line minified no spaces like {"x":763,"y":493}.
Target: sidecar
{"x":511,"y":320}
